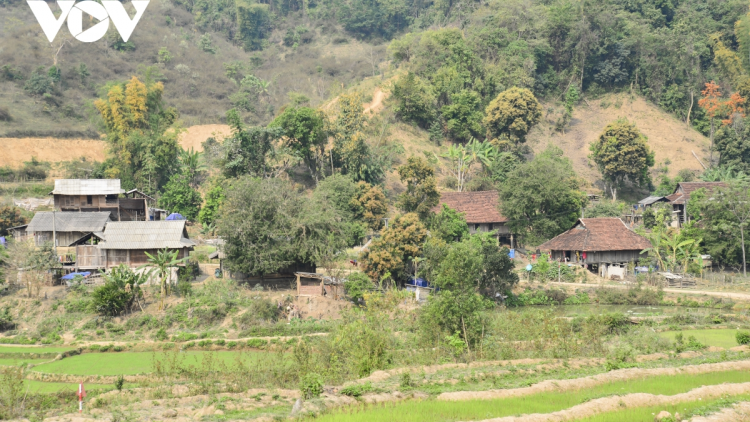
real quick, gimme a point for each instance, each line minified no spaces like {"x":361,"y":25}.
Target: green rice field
{"x":56,"y":387}
{"x":131,"y":363}
{"x":719,"y":338}
{"x":21,"y":361}
{"x":686,"y":409}
{"x":29,"y":349}
{"x":433,"y":410}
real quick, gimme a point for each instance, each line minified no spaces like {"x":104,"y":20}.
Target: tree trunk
{"x":687,"y":121}
{"x":613,"y":189}
{"x":711,"y":155}
{"x":744,"y":262}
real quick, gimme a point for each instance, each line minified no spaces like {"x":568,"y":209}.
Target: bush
{"x":119,"y":382}
{"x":742,"y":337}
{"x":356,"y":285}
{"x":184,"y":288}
{"x":614,"y":323}
{"x":161,"y":334}
{"x":357,"y":390}
{"x":257,"y":343}
{"x":311,"y":386}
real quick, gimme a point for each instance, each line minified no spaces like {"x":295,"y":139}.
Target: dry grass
{"x":669,"y":138}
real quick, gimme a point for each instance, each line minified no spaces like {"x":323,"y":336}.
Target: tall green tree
{"x":254,"y":24}
{"x":622,"y":155}
{"x":268,"y":225}
{"x":463,"y":116}
{"x":421,"y":193}
{"x":542,"y":197}
{"x":179,"y":196}
{"x":391,"y":255}
{"x":350,"y":149}
{"x":248,"y":150}
{"x":415,"y":100}
{"x":306,"y":135}
{"x":214,"y":198}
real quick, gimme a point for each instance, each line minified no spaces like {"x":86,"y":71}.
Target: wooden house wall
{"x":75,"y":202}
{"x":597,"y":257}
{"x":90,"y":256}
{"x":499,"y":228}
{"x":62,"y":238}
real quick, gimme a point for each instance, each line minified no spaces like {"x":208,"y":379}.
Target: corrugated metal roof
{"x":87,"y":187}
{"x":146,"y":235}
{"x":651,"y":199}
{"x":70,"y":221}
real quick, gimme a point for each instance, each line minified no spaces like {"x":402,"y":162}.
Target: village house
{"x":602,"y":245}
{"x":64,"y":228}
{"x":89,"y":195}
{"x":681,"y":196}
{"x":481,"y":212}
{"x":126,"y":242}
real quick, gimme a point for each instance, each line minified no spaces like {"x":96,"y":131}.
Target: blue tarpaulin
{"x":176,"y":216}
{"x":3,"y":242}
{"x":71,"y":276}
{"x":512,"y":253}
{"x":419,"y":282}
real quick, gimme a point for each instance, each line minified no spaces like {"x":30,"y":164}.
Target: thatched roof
{"x":70,"y":221}
{"x":87,"y":187}
{"x":146,"y":235}
{"x":597,"y":234}
{"x":478,"y":207}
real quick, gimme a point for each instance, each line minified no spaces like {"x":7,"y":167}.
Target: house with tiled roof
{"x":604,"y":245}
{"x":681,"y":196}
{"x":481,"y":211}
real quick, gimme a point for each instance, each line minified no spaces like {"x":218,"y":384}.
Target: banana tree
{"x":161,"y":264}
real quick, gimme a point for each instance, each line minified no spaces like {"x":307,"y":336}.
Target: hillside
{"x":670,"y":140}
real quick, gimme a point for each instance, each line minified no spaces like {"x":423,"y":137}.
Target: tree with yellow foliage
{"x":142,"y":141}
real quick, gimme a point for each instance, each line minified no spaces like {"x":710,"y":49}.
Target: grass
{"x":433,"y":410}
{"x":719,"y":337}
{"x":23,"y":361}
{"x":130,"y":363}
{"x":56,"y":387}
{"x":12,"y":349}
{"x":686,"y":410}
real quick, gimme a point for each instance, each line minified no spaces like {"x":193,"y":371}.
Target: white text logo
{"x":74,"y":13}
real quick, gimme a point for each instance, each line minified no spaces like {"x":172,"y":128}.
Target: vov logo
{"x":104,"y":11}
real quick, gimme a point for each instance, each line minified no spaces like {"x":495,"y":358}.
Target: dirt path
{"x":377,"y":102}
{"x":617,"y":403}
{"x":592,"y":381}
{"x":745,"y":297}
{"x":738,"y":412}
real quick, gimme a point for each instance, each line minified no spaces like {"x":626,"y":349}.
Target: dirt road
{"x":743,"y":297}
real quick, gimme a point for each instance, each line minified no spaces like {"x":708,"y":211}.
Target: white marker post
{"x":81,"y":395}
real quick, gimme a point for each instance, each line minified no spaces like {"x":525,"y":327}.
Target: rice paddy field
{"x":448,"y":411}
{"x":717,"y":337}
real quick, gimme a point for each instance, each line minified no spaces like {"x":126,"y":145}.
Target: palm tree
{"x":161,"y":264}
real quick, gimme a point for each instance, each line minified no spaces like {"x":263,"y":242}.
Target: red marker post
{"x":81,"y":394}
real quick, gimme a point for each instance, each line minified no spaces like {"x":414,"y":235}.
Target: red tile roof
{"x":478,"y":207}
{"x":682,"y":192}
{"x":598,"y":234}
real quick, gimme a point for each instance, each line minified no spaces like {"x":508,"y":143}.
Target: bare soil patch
{"x":669,"y":138}
{"x":14,"y":151}
{"x":194,"y":136}
{"x":738,"y":412}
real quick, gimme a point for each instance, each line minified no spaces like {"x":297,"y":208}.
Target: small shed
{"x":126,"y":242}
{"x":19,"y":233}
{"x":67,"y":227}
{"x":602,"y":244}
{"x":315,"y":284}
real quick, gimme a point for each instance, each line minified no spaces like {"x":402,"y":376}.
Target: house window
{"x":476,"y":227}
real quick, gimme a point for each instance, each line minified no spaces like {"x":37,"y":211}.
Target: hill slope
{"x":670,"y":139}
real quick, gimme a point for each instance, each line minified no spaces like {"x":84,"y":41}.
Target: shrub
{"x":161,"y":334}
{"x":357,"y":390}
{"x":184,"y":288}
{"x":742,"y":337}
{"x":256,"y":343}
{"x":184,"y":337}
{"x":119,"y":382}
{"x":356,"y":285}
{"x":311,"y":386}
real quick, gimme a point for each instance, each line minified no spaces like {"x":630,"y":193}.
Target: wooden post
{"x":299,"y":284}
{"x":128,"y":258}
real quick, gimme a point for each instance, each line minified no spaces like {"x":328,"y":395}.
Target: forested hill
{"x":213,"y":55}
